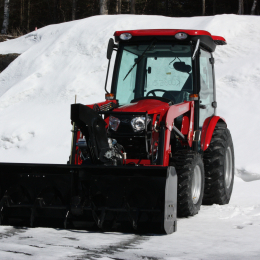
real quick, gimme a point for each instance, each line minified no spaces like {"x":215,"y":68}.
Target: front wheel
{"x":219,"y":167}
{"x":190,"y":171}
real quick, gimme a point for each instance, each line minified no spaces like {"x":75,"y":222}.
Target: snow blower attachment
{"x":106,"y":197}
{"x":154,"y":150}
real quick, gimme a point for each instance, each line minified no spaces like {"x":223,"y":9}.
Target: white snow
{"x":64,"y":60}
{"x":218,"y":232}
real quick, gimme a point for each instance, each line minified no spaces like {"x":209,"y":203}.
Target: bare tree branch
{"x":133,"y":6}
{"x":253,"y":7}
{"x":240,"y":7}
{"x":214,"y":7}
{"x":28,"y":15}
{"x":74,"y":2}
{"x":6,"y":17}
{"x":103,"y":7}
{"x":118,"y":6}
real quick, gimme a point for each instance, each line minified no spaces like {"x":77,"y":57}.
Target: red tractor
{"x":154,"y":150}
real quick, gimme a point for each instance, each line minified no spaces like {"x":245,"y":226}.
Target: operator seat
{"x":182,"y":95}
{"x":177,"y":96}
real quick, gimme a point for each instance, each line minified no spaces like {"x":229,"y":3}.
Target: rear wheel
{"x":219,"y":167}
{"x":190,"y":171}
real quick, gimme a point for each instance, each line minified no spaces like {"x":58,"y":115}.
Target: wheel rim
{"x":229,"y":167}
{"x":196,"y":185}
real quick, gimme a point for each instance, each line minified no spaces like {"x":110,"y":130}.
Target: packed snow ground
{"x":61,"y":61}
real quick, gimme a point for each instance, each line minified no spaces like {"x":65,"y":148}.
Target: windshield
{"x":163,"y":70}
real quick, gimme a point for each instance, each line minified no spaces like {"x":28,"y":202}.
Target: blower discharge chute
{"x":155,"y":149}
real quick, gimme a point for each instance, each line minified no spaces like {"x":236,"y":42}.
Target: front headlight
{"x":114,"y":123}
{"x":138,"y":123}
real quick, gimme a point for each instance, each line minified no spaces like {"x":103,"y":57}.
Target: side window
{"x":206,"y":84}
{"x":125,"y":88}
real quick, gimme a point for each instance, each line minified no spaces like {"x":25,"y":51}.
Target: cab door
{"x":206,"y":86}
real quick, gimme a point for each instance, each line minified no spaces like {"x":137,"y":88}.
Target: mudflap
{"x":140,"y":198}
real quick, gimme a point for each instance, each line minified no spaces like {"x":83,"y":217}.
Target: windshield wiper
{"x":139,"y":59}
{"x":196,"y":49}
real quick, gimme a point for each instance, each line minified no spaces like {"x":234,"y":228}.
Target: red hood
{"x":152,"y":106}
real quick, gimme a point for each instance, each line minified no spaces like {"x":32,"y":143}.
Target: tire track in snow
{"x":115,"y":251}
{"x":110,"y":251}
{"x":12,"y":231}
{"x":16,"y":252}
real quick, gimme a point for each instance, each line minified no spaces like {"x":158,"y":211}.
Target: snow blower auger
{"x":154,"y":150}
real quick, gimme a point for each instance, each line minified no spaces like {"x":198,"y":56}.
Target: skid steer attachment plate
{"x":140,"y":197}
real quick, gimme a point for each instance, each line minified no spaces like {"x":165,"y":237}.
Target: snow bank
{"x":64,"y":60}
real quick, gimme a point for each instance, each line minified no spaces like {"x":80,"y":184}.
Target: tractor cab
{"x":169,"y":65}
{"x":164,"y":71}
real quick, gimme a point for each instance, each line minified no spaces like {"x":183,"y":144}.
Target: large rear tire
{"x":219,"y":167}
{"x":190,"y":171}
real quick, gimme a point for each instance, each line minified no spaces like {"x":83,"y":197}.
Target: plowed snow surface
{"x":217,"y":232}
{"x":59,"y":61}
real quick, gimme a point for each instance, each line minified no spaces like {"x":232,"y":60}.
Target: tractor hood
{"x":151,"y":106}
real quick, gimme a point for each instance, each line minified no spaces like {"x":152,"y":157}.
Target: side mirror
{"x":182,"y":67}
{"x":110,"y":47}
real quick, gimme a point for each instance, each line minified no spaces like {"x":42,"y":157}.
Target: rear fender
{"x":208,"y":129}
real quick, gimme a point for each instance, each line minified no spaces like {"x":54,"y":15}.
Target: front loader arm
{"x":187,"y":129}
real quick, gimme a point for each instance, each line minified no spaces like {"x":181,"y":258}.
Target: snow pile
{"x":64,"y":60}
{"x":59,"y":61}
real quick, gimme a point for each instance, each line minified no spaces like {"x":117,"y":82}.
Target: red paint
{"x":78,"y":160}
{"x":173,"y":112}
{"x":185,"y":125}
{"x":191,"y":130}
{"x":207,"y":130}
{"x":218,"y":38}
{"x":169,"y":32}
{"x":204,"y":131}
{"x":155,"y":133}
{"x":151,"y":106}
{"x":162,"y":32}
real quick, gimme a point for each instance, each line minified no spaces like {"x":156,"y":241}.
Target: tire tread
{"x":213,"y":158}
{"x":184,"y":161}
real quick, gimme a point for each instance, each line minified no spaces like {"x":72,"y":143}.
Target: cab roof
{"x":206,"y":39}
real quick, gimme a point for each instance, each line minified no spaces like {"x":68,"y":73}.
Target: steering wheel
{"x":153,"y":90}
{"x":161,"y":90}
